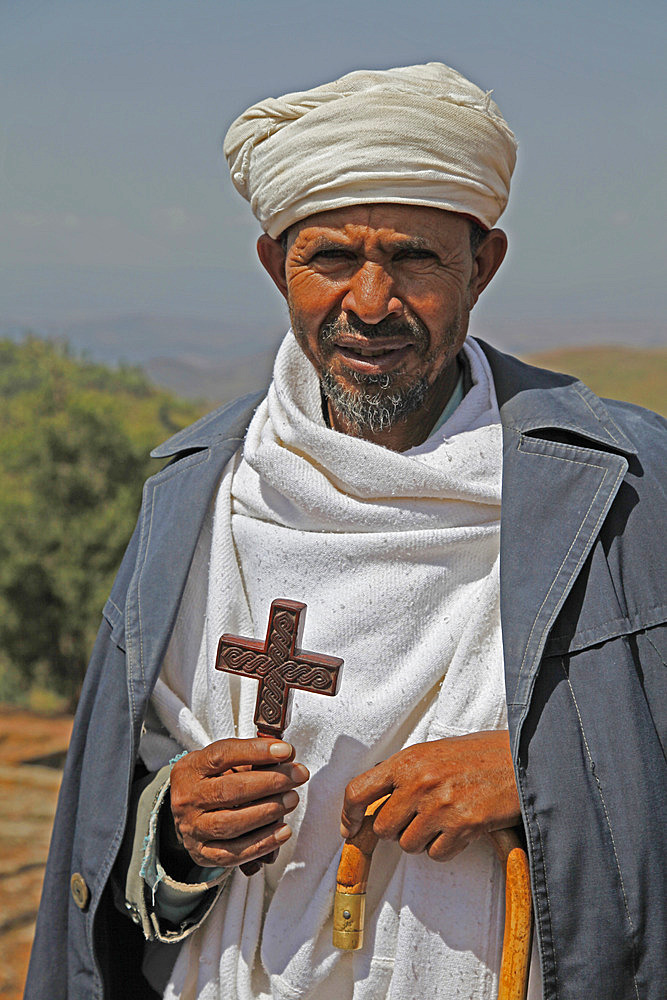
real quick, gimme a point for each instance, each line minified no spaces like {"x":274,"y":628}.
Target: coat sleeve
{"x":92,"y":799}
{"x":167,"y":909}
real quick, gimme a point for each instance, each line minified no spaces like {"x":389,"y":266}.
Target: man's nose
{"x":371,"y":295}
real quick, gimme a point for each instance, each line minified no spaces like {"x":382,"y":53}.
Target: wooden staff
{"x":350,"y":901}
{"x":518,"y":936}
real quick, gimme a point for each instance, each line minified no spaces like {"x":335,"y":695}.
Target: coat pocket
{"x":116,"y":621}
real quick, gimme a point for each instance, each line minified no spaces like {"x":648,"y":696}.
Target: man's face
{"x":379,"y":301}
{"x":379,"y":297}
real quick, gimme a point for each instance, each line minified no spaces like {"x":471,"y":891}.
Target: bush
{"x":74,"y":444}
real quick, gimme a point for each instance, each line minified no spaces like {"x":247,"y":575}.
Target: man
{"x":367,"y":484}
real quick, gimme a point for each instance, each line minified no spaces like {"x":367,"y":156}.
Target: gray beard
{"x":381,"y":400}
{"x":373,"y":411}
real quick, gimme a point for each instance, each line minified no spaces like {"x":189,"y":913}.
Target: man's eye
{"x":333,"y":254}
{"x":415,"y":255}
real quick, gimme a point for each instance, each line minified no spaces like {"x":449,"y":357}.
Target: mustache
{"x":406,"y":328}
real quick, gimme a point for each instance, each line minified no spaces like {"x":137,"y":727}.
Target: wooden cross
{"x":279,"y":666}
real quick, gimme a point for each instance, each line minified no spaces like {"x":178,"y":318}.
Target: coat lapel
{"x":175,"y":503}
{"x":555,"y":498}
{"x":563,"y":462}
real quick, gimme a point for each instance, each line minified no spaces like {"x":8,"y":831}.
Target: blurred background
{"x":131,"y":300}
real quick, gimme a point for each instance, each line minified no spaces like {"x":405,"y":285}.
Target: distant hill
{"x":205,"y":379}
{"x":219,"y":358}
{"x":637,"y":375}
{"x":136,"y":339}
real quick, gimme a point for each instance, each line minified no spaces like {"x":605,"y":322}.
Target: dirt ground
{"x":32,"y":750}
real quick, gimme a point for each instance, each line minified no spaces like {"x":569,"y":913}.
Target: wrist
{"x":173,"y":855}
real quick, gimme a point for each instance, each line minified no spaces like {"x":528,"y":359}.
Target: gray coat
{"x":583,"y":619}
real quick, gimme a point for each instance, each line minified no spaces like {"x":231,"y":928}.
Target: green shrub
{"x":74,"y":442}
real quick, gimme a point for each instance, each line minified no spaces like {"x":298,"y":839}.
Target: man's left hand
{"x":442,"y":794}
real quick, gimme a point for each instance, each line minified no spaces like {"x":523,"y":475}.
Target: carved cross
{"x":279,"y":666}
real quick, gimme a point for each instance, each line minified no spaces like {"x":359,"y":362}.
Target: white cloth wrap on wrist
{"x":173,"y":900}
{"x":396,"y":556}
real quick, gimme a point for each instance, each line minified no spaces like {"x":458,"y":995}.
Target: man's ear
{"x":272,"y":256}
{"x":488,"y":258}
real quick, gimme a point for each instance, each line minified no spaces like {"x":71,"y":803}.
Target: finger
{"x":224,"y":754}
{"x":417,"y":835}
{"x":445,"y":847}
{"x":241,"y":787}
{"x":254,"y":866}
{"x":359,"y":794}
{"x":397,"y":813}
{"x":230,"y":853}
{"x":226,"y":824}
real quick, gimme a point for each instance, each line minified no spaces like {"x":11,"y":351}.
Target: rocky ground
{"x":32,"y":751}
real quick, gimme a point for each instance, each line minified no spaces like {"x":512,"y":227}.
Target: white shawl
{"x":396,"y":556}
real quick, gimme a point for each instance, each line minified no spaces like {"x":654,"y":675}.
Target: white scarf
{"x":396,"y":556}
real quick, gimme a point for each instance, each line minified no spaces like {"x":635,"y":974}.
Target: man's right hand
{"x":226,"y":814}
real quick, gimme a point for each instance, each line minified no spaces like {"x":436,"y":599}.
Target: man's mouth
{"x":373,"y":357}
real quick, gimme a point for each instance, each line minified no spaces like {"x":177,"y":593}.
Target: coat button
{"x":80,"y":891}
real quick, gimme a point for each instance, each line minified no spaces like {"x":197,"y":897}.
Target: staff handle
{"x":350,"y":900}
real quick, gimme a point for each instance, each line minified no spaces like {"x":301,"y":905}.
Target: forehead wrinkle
{"x":322,"y":240}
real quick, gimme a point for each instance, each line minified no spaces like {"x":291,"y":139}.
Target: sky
{"x":115,"y":200}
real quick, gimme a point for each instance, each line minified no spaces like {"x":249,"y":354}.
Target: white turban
{"x":416,"y":135}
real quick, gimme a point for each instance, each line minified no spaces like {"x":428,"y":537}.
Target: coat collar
{"x":535,"y":399}
{"x":228,"y":421}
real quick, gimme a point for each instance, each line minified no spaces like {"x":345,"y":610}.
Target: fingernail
{"x":299,"y":773}
{"x":290,"y":799}
{"x":282,"y":834}
{"x":280,"y":749}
